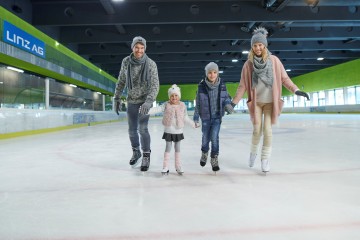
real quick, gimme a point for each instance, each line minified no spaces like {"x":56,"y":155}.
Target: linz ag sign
{"x":18,"y":38}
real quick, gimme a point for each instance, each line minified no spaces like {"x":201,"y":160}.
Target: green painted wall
{"x":188,"y":91}
{"x":342,"y":75}
{"x":65,"y":56}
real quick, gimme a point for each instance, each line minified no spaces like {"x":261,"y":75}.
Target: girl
{"x":174,"y":118}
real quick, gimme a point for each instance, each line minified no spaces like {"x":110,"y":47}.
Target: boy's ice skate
{"x":145,"y":164}
{"x":203,"y":159}
{"x":215,"y":164}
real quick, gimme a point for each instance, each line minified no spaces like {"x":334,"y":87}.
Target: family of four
{"x":262,"y":78}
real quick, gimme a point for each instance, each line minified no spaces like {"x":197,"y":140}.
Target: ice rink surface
{"x":77,"y":184}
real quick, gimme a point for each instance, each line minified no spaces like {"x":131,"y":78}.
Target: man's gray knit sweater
{"x":140,"y":91}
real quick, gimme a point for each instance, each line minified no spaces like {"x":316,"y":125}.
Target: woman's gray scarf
{"x":263,"y":71}
{"x":143,"y":71}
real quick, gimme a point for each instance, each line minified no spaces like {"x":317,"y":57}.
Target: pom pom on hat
{"x":140,"y":40}
{"x":174,"y":89}
{"x":259,"y":36}
{"x":211,"y":66}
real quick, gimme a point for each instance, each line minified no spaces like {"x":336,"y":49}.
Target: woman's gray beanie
{"x":211,"y":66}
{"x":259,"y":36}
{"x":140,"y":40}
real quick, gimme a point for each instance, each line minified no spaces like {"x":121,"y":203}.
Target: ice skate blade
{"x":265,"y":172}
{"x":136,"y":164}
{"x":165,"y":173}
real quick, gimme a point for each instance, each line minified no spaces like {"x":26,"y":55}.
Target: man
{"x":139,"y":74}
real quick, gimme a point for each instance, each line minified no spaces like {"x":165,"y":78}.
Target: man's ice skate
{"x":145,"y":164}
{"x":134,"y":161}
{"x":203,"y":159}
{"x":165,"y":171}
{"x":265,"y":166}
{"x":215,"y":164}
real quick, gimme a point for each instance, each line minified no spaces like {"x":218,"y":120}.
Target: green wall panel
{"x":342,"y":75}
{"x":60,"y":55}
{"x":188,"y":91}
{"x":47,"y":73}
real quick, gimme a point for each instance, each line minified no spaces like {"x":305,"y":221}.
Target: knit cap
{"x":140,"y":40}
{"x":211,"y":66}
{"x":259,"y":36}
{"x":174,"y":89}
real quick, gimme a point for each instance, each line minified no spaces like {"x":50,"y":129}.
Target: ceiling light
{"x":235,"y":60}
{"x":221,"y":71}
{"x":15,"y":69}
{"x":312,"y":3}
{"x":320,"y":58}
{"x":98,"y":93}
{"x":245,"y":52}
{"x":72,"y":85}
{"x":288,"y":70}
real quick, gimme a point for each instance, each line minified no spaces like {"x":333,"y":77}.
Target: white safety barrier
{"x":19,"y":120}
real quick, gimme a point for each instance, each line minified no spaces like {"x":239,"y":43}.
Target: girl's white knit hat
{"x":174,"y":89}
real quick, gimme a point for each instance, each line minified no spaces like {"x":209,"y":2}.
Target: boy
{"x":212,"y":100}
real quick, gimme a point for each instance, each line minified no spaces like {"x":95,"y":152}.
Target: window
{"x":321,"y":100}
{"x":315,"y":99}
{"x":331,"y":97}
{"x":351,"y":95}
{"x":357,"y":94}
{"x":339,"y":97}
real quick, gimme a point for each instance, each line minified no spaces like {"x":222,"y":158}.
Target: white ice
{"x":77,"y":184}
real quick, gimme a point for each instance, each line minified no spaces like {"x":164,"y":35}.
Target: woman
{"x":262,"y":77}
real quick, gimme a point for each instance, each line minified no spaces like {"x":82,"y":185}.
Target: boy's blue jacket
{"x":202,"y":108}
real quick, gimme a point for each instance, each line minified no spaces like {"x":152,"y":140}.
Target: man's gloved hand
{"x":197,"y":124}
{"x":229,"y":108}
{"x":303,"y":94}
{"x":117,"y":105}
{"x":144,"y":108}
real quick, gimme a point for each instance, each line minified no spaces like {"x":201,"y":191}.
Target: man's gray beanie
{"x":140,"y":40}
{"x":211,"y":66}
{"x":259,"y":36}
